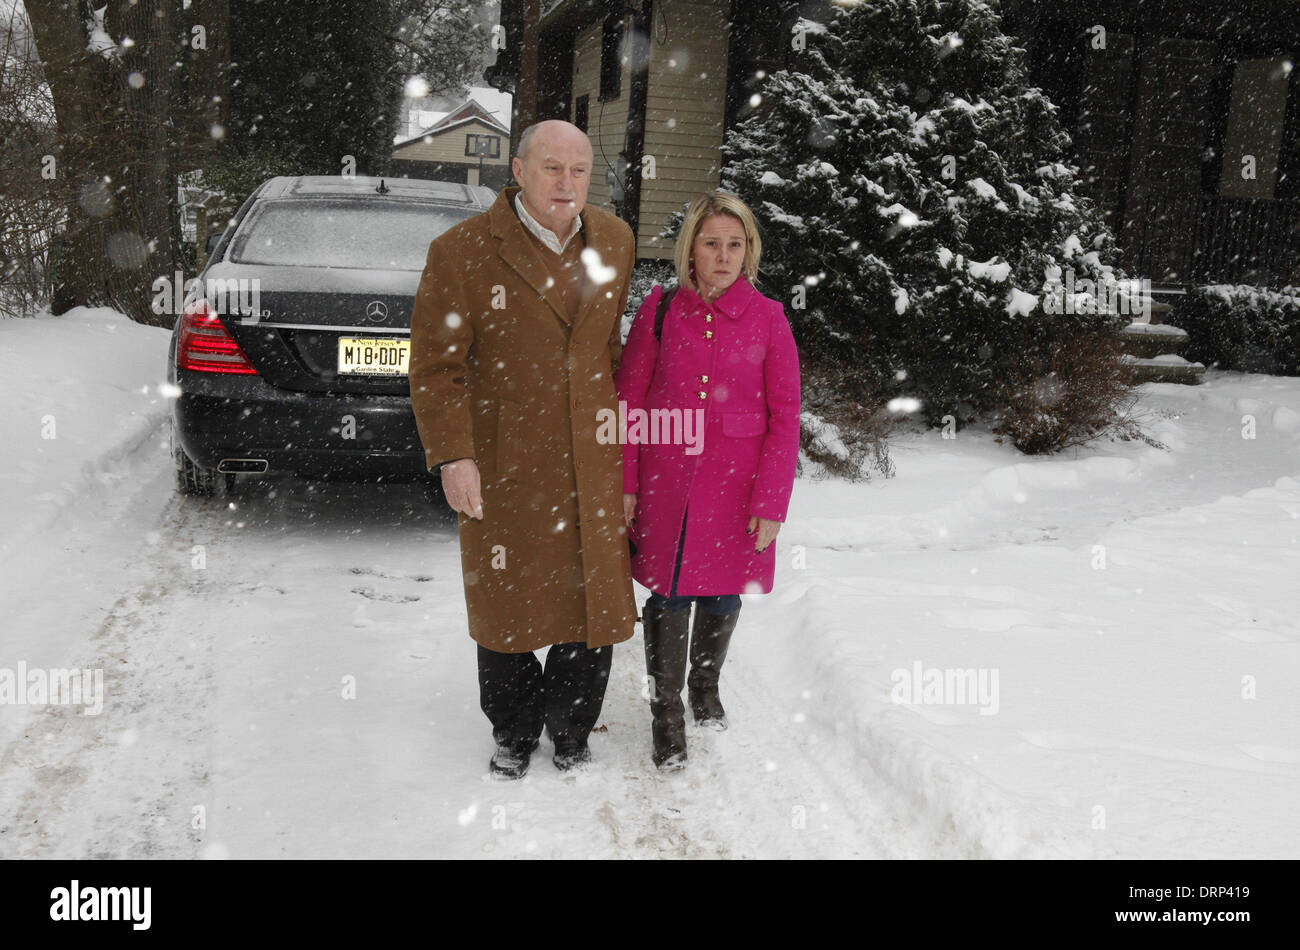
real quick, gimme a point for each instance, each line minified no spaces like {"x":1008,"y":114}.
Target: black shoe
{"x":666,"y":639}
{"x":571,"y":756}
{"x":709,"y":641}
{"x":511,"y":761}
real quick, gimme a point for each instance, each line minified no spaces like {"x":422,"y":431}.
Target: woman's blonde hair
{"x":702,"y":208}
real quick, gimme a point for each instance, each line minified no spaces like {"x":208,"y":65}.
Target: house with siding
{"x":653,"y":84}
{"x":1167,"y":102}
{"x":468,"y":145}
{"x":650,"y":92}
{"x":1185,"y":116}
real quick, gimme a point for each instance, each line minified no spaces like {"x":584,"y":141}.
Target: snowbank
{"x":1139,"y":608}
{"x":81,"y":396}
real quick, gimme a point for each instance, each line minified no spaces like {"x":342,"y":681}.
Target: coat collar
{"x":518,"y":251}
{"x":733,"y":301}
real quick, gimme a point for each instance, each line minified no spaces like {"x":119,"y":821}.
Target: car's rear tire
{"x":192,"y":479}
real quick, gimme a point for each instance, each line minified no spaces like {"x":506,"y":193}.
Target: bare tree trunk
{"x":142,"y":248}
{"x":115,"y":151}
{"x":60,"y":35}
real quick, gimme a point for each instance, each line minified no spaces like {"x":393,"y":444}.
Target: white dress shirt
{"x":544,"y":234}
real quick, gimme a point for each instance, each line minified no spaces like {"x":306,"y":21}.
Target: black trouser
{"x":519,"y":695}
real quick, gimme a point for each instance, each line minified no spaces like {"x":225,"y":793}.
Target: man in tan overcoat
{"x":515,"y":337}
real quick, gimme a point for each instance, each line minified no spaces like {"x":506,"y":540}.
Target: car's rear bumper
{"x":313,"y":435}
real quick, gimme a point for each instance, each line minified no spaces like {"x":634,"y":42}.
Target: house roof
{"x":468,"y":111}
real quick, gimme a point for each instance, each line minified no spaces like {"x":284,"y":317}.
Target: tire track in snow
{"x":818,"y":797}
{"x":112,"y":785}
{"x":818,"y":801}
{"x":98,"y":797}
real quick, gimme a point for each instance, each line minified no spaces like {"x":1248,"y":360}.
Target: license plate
{"x":370,"y":356}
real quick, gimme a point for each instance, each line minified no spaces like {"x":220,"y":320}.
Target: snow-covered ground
{"x":1132,"y":612}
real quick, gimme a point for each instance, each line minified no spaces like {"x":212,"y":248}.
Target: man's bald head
{"x":553,"y":167}
{"x":550,"y":131}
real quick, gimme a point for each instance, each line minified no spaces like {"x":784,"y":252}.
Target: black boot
{"x":510,"y":761}
{"x":666,"y":640}
{"x":709,"y":642}
{"x":569,"y":757}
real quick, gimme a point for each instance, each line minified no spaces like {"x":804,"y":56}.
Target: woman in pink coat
{"x":712,"y":409}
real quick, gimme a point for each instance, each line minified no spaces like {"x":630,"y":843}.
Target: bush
{"x":236,"y":174}
{"x":844,"y":425}
{"x":1243,"y":328}
{"x":1068,"y":390}
{"x":645,"y":275}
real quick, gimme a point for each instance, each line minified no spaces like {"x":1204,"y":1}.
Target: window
{"x":581,"y":110}
{"x":1253,"y":138}
{"x":321,"y":232}
{"x":485,"y":146}
{"x":611,"y":65}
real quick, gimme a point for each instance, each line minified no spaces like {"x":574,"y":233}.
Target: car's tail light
{"x":206,"y":346}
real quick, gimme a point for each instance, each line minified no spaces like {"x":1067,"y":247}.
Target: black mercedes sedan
{"x":291,"y":351}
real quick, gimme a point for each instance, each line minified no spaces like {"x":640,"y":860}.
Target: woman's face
{"x":718,"y":252}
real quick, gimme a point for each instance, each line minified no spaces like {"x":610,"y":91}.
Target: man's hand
{"x":767,"y":531}
{"x":460,"y":486}
{"x":629,"y":508}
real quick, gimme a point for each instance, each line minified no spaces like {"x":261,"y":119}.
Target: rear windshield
{"x":342,"y":233}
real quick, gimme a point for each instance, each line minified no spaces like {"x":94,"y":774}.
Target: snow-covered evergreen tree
{"x":916,"y":198}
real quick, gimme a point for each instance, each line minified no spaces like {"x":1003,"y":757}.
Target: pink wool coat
{"x":735,"y":360}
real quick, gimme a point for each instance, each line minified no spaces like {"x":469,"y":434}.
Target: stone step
{"x":1147,"y":340}
{"x":1168,"y":368}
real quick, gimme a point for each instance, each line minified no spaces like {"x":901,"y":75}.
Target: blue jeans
{"x":718,"y":604}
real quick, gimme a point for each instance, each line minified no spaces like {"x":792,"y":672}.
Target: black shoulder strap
{"x":660,"y":309}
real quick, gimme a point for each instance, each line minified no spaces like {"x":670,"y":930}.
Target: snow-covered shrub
{"x":1069,"y":389}
{"x":1243,"y":328}
{"x":645,"y":274}
{"x":845,"y":438}
{"x":916,"y":199}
